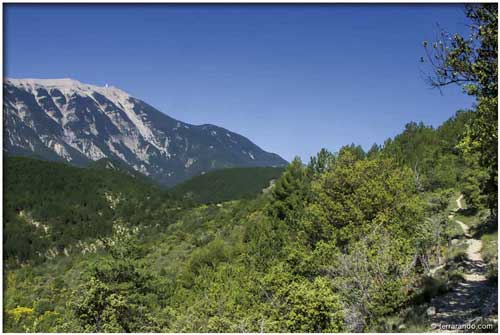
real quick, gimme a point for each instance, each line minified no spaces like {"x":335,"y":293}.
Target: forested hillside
{"x":401,"y":238}
{"x":49,"y":206}
{"x":292,"y":259}
{"x":228,"y":184}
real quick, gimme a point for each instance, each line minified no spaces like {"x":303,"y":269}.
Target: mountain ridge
{"x":64,"y":119}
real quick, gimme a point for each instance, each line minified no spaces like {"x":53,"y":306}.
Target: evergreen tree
{"x":321,"y":163}
{"x":290,"y":192}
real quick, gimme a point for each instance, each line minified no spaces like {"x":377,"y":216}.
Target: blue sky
{"x":292,"y":78}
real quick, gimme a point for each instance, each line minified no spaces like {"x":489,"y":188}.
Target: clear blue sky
{"x":293,"y":79}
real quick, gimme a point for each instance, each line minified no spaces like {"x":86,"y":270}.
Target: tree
{"x":355,"y":196}
{"x":356,"y":150}
{"x":289,"y":192}
{"x":415,"y":147}
{"x":301,"y":305}
{"x":117,"y":297}
{"x":373,"y":278}
{"x":473,"y":179}
{"x":312,"y":307}
{"x":373,"y":151}
{"x":472,"y":62}
{"x":320,"y":163}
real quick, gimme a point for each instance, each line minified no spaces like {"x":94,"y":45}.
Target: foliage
{"x":431,"y":153}
{"x":342,"y":244}
{"x":49,"y":207}
{"x":321,"y":163}
{"x":312,"y":255}
{"x":289,"y":193}
{"x":373,"y":280}
{"x":227,"y":184}
{"x":472,"y":62}
{"x":356,"y":196}
{"x":472,"y":180}
{"x":438,"y":201}
{"x":304,"y":306}
{"x":117,"y":296}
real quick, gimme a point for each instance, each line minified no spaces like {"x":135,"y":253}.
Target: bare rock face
{"x":65,"y":120}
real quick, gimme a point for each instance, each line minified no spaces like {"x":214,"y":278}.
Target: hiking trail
{"x":466,"y":303}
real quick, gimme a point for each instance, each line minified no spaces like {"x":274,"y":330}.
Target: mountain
{"x":119,"y":166}
{"x":228,"y":184}
{"x":55,"y":205}
{"x":65,"y":120}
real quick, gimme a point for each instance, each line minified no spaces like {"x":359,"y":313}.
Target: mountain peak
{"x":56,"y":82}
{"x":65,"y":119}
{"x":66,"y":84}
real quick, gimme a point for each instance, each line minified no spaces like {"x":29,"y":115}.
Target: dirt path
{"x":459,"y":202}
{"x":474,"y":260}
{"x":465,"y":302}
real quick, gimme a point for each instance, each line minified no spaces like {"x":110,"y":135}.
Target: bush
{"x":212,"y":254}
{"x":430,"y":287}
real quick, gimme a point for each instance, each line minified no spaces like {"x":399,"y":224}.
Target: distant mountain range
{"x":66,"y":120}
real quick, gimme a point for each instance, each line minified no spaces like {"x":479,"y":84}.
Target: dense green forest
{"x":228,"y":184}
{"x":50,"y":206}
{"x":352,"y":241}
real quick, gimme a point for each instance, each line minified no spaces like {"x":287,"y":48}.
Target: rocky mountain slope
{"x":63,"y":119}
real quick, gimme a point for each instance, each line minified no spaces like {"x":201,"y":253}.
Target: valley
{"x":118,"y":218}
{"x":200,"y":261}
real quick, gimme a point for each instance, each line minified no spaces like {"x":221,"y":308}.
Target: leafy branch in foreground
{"x":472,"y":62}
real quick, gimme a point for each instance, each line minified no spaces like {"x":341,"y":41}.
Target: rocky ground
{"x":472,"y":303}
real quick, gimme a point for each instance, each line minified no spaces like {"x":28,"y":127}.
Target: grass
{"x":457,"y":254}
{"x":415,"y":320}
{"x":487,"y":231}
{"x":430,"y":288}
{"x":412,"y":319}
{"x":490,"y":255}
{"x":468,"y":220}
{"x":490,"y":247}
{"x":453,"y":230}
